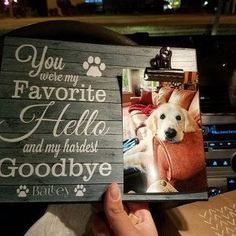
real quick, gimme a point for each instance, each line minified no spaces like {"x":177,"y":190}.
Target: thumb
{"x":115,"y":213}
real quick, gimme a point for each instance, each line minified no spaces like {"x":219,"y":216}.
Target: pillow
{"x":194,"y":109}
{"x":158,"y":99}
{"x":166,"y":92}
{"x":146,"y":97}
{"x":182,"y":97}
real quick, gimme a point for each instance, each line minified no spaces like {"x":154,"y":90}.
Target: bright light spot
{"x":15,"y":1}
{"x":205,"y":3}
{"x":166,"y":7}
{"x":6,"y":2}
{"x":172,"y":4}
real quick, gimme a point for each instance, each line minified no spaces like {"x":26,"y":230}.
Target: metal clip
{"x":161,"y":70}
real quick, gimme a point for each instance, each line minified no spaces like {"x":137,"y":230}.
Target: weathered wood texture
{"x":64,"y":151}
{"x":61,"y":126}
{"x":54,"y":193}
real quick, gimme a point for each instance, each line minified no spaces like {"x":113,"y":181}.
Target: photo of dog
{"x":166,"y":122}
{"x":169,"y":122}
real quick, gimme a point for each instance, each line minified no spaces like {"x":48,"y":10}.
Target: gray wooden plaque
{"x":60,"y":122}
{"x":61,"y":119}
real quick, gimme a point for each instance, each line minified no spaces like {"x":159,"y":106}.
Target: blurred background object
{"x":207,"y":25}
{"x":24,"y":8}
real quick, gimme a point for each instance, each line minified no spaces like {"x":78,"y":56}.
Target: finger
{"x":134,"y":219}
{"x":99,"y":226}
{"x":115,"y":213}
{"x":145,"y":221}
{"x":134,"y":206}
{"x":139,"y":209}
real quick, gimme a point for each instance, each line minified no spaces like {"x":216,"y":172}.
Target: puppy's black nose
{"x":170,"y":133}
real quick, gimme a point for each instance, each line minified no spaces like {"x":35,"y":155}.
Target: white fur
{"x":159,"y":126}
{"x":141,"y":156}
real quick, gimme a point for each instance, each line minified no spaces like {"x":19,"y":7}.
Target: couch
{"x":181,"y":164}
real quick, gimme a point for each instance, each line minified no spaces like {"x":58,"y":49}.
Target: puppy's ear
{"x":151,"y":123}
{"x":189,"y":123}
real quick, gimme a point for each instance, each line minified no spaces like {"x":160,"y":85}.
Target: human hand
{"x":132,"y":220}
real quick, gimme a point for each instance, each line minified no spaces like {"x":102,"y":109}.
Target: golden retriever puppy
{"x":168,"y":122}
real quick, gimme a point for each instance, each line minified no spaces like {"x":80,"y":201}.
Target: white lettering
{"x":46,"y":171}
{"x":19,"y":88}
{"x":60,"y":167}
{"x":53,"y":148}
{"x":26,"y":170}
{"x":85,"y":147}
{"x":22,"y":119}
{"x":61,"y":93}
{"x":50,"y":190}
{"x":46,"y":63}
{"x":35,"y":92}
{"x":12,"y":169}
{"x":73,"y":165}
{"x":99,"y":128}
{"x":100,"y":95}
{"x":9,"y":168}
{"x":47,"y":93}
{"x":105,"y":169}
{"x":33,"y":148}
{"x":90,"y":171}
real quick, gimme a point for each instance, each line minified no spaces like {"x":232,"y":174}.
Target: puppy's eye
{"x":178,"y":117}
{"x":162,"y":116}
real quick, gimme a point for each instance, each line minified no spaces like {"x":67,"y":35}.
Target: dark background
{"x":215,"y":54}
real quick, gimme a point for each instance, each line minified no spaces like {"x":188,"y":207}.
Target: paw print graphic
{"x":80,"y":190}
{"x":94,"y":66}
{"x":22,"y":191}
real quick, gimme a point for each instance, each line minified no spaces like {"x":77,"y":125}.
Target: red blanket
{"x":145,"y":109}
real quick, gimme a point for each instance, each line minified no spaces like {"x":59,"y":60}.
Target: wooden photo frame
{"x":61,"y":124}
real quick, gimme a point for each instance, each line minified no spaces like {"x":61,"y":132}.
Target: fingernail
{"x":114,"y":191}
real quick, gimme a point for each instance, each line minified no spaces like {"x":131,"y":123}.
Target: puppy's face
{"x":169,"y":122}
